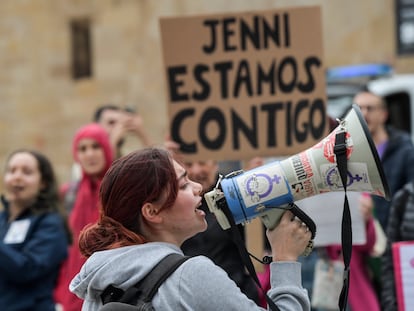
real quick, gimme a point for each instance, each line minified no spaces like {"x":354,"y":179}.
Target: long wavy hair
{"x":142,"y":176}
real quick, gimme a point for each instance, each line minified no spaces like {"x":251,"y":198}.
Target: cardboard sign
{"x":403,"y":259}
{"x":326,"y":211}
{"x":245,"y":84}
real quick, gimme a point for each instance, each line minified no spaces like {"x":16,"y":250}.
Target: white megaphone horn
{"x":267,"y":191}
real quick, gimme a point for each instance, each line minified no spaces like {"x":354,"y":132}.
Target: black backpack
{"x":139,"y":297}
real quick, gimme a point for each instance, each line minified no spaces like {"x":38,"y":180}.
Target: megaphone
{"x":268,"y":190}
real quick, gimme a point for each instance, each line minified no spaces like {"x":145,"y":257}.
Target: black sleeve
{"x":398,"y":205}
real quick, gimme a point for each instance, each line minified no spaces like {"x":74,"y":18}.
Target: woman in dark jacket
{"x":400,"y":228}
{"x":33,"y":234}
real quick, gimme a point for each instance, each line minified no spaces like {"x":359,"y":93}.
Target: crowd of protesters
{"x":42,"y":221}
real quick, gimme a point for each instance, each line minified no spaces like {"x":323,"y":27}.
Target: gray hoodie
{"x":198,"y":284}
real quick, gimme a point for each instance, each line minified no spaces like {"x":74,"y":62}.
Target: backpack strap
{"x":150,"y":284}
{"x":145,"y":289}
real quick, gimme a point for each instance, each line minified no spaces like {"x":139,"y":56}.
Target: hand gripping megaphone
{"x":267,"y":191}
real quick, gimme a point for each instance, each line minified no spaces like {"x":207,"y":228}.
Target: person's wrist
{"x":283,"y":257}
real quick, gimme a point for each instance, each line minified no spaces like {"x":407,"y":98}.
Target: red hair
{"x":140,"y":177}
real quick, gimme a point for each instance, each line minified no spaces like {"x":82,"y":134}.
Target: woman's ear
{"x":150,"y":213}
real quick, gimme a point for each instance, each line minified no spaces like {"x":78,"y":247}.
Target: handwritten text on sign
{"x":245,"y":84}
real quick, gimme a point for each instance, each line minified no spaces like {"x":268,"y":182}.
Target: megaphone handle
{"x":309,"y":223}
{"x":303,"y":217}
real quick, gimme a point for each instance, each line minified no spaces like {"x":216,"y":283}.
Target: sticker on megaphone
{"x":232,"y":209}
{"x":263,"y":191}
{"x":250,"y":194}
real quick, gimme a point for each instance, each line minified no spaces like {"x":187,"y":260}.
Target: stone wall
{"x":41,"y":105}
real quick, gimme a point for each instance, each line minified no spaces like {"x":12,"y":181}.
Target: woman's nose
{"x":198,"y":188}
{"x":16,"y":175}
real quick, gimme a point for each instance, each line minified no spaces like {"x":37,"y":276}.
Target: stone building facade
{"x":43,"y":101}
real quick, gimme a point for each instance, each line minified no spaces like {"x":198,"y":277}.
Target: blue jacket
{"x":30,"y":260}
{"x":397,"y":162}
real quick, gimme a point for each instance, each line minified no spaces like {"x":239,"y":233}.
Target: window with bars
{"x":81,"y":48}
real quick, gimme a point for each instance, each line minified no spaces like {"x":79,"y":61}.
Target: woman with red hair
{"x":92,"y":150}
{"x":149,"y":207}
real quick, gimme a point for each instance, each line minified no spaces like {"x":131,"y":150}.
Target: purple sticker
{"x":255,"y":187}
